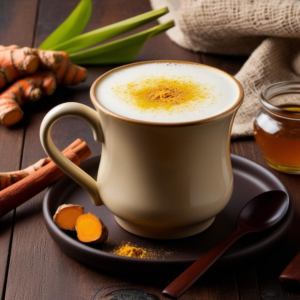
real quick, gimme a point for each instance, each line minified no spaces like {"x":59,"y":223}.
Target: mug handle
{"x":89,"y":115}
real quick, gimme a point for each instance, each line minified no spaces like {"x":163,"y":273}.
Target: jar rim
{"x":279,"y":88}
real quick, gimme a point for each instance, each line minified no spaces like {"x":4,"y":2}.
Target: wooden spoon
{"x":260,"y":213}
{"x":290,"y":277}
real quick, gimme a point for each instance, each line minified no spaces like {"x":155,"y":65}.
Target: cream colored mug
{"x":161,"y":181}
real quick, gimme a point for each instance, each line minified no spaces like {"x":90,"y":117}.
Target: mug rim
{"x":110,"y":113}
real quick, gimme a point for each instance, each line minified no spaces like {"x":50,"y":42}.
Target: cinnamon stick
{"x":23,"y":190}
{"x":9,"y":178}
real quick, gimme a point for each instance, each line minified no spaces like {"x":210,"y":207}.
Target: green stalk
{"x":102,"y":34}
{"x":121,"y":51}
{"x":71,"y":27}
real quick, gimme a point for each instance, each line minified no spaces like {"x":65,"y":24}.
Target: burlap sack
{"x":266,"y":28}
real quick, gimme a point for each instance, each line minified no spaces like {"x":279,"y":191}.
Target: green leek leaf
{"x":71,"y":27}
{"x":120,"y":51}
{"x":102,"y":34}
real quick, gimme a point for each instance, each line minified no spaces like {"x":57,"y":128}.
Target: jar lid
{"x":287,"y":109}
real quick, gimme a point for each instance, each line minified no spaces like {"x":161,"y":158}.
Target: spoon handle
{"x":290,"y":277}
{"x":186,"y":279}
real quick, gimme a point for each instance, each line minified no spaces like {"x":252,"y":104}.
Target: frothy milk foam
{"x":213,"y":92}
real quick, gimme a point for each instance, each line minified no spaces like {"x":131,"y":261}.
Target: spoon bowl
{"x":263,"y":211}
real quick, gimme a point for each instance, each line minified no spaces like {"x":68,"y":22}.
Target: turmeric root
{"x":9,"y":178}
{"x":67,"y":215}
{"x":16,"y":62}
{"x":90,"y":229}
{"x":66,"y":73}
{"x":29,"y":88}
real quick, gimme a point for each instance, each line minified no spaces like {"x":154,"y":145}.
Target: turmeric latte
{"x":166,"y":92}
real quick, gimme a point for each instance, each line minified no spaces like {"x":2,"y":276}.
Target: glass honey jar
{"x":277,"y":126}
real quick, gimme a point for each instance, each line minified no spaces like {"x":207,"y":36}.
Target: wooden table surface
{"x":31,"y":264}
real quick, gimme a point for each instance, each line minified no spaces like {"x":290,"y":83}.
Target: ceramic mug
{"x":162,"y":181}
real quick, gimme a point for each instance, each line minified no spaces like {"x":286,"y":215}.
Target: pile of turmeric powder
{"x":163,"y":92}
{"x":128,"y":249}
{"x":131,"y":251}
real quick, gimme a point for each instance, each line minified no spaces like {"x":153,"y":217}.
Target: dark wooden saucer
{"x":250,"y":179}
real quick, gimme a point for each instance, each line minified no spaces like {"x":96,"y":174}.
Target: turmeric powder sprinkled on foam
{"x":167,"y":93}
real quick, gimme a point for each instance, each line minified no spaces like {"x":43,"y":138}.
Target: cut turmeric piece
{"x":90,"y":229}
{"x":66,"y":216}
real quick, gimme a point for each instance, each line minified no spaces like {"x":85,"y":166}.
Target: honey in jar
{"x":277,"y":127}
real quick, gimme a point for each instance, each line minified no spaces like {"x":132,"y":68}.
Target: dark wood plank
{"x":247,"y":282}
{"x":35,"y":258}
{"x":229,"y":64}
{"x":17,"y":22}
